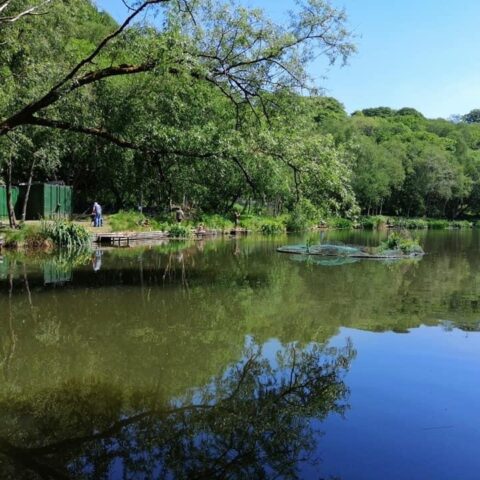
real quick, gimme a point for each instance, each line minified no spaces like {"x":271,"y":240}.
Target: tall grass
{"x":128,"y":220}
{"x":401,"y":241}
{"x":272,"y":227}
{"x":66,"y":234}
{"x":216,"y":222}
{"x":179,"y":231}
{"x":26,"y":236}
{"x":339,"y":223}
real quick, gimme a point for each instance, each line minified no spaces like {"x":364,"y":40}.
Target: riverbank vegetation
{"x":47,"y":236}
{"x":210,"y":107}
{"x":134,"y":221}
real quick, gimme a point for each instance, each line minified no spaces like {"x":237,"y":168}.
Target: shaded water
{"x":226,"y":359}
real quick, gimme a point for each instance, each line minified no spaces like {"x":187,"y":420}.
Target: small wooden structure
{"x":123,"y":239}
{"x":46,"y":200}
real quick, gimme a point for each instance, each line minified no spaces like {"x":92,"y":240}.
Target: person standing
{"x":179,"y":215}
{"x":97,"y":212}
{"x":237,"y":218}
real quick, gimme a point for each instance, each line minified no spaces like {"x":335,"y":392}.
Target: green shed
{"x":47,"y":200}
{"x":3,"y":201}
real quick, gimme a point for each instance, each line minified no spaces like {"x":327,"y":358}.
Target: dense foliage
{"x":405,"y":164}
{"x":209,"y":106}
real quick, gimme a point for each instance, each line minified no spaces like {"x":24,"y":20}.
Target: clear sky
{"x":417,"y":53}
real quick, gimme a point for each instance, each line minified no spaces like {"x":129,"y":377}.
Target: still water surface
{"x":226,"y":359}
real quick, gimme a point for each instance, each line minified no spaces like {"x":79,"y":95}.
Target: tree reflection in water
{"x":252,"y":421}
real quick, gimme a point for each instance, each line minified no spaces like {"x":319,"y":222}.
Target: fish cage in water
{"x":349,"y":251}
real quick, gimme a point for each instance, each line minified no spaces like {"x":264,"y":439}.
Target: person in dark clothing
{"x":179,"y":215}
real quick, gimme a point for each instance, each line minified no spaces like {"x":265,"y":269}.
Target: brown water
{"x":226,"y":359}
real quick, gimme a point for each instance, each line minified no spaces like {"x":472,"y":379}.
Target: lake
{"x":226,"y":359}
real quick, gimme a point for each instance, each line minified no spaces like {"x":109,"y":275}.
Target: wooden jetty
{"x":124,"y":239}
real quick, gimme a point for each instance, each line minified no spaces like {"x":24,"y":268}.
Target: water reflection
{"x":251,"y":421}
{"x":97,"y":260}
{"x":112,"y":369}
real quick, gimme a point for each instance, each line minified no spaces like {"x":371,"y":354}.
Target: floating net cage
{"x":347,"y":252}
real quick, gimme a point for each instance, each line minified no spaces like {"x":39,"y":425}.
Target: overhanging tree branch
{"x":239,"y":70}
{"x":23,"y":117}
{"x":109,"y":137}
{"x":122,"y":143}
{"x":33,"y":10}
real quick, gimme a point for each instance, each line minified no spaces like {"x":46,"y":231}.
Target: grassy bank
{"x":46,"y":236}
{"x":379,"y":222}
{"x":60,"y":234}
{"x":133,"y":221}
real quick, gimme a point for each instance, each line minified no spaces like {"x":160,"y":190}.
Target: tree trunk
{"x":27,"y":193}
{"x":11,"y":212}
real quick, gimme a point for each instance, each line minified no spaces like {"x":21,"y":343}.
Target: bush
{"x":124,"y":221}
{"x":13,"y":238}
{"x":216,"y":222}
{"x":339,"y":223}
{"x":251,"y":222}
{"x":461,"y":224}
{"x":272,"y":227}
{"x":26,"y":236}
{"x":438,"y":224}
{"x":179,"y":231}
{"x":410,"y":223}
{"x":66,"y":234}
{"x":304,"y":216}
{"x":373,"y":223}
{"x":257,"y":223}
{"x":401,"y":241}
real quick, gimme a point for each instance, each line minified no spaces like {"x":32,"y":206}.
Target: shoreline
{"x":25,"y":240}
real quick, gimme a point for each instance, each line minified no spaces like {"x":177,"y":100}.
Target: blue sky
{"x":417,"y":53}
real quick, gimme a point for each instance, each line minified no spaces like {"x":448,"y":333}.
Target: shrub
{"x":461,"y":224}
{"x":179,"y":231}
{"x":272,"y":227}
{"x":339,"y":223}
{"x":367,"y":223}
{"x":251,"y":222}
{"x":216,"y":222}
{"x":303,"y":216}
{"x":372,"y":223}
{"x":438,"y":224}
{"x":66,"y":234}
{"x":127,"y":220}
{"x":13,"y":238}
{"x":27,"y":236}
{"x":401,"y":241}
{"x":410,"y":223}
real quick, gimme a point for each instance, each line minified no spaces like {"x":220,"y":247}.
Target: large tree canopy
{"x":237,"y":50}
{"x":176,"y":101}
{"x":209,"y":103}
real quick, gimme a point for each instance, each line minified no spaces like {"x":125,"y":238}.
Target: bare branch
{"x":106,"y":40}
{"x":33,"y":10}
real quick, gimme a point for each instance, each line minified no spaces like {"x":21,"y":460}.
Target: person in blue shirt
{"x":97,"y":212}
